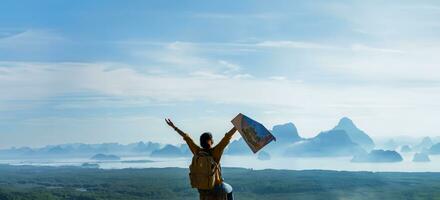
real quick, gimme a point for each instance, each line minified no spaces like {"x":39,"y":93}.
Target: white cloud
{"x":230,"y":67}
{"x":176,"y":54}
{"x":242,"y":76}
{"x":188,"y":48}
{"x":207,"y":75}
{"x":361,"y":47}
{"x":293,"y":44}
{"x":235,"y":16}
{"x":30,"y":40}
{"x":388,"y":22}
{"x":305,"y":103}
{"x":32,"y":80}
{"x":409,"y":63}
{"x":278,"y":78}
{"x":185,"y":57}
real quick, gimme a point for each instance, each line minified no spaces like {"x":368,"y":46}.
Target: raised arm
{"x":171,"y":124}
{"x":231,"y":132}
{"x":225,"y":141}
{"x":192,"y":146}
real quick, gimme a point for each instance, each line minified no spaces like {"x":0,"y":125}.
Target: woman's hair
{"x":204,"y":140}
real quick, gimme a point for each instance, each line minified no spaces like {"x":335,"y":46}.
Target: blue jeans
{"x":226,"y":188}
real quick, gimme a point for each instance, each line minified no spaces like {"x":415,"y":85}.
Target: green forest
{"x":29,"y":182}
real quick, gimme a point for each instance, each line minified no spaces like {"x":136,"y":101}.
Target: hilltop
{"x":47,"y":183}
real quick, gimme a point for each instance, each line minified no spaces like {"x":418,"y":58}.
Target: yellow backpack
{"x":203,"y":170}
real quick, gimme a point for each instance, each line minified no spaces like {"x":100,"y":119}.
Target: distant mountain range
{"x":80,"y":150}
{"x":345,"y":139}
{"x":168,"y":151}
{"x":415,"y":143}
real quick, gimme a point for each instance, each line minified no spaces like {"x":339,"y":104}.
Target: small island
{"x":378,"y":156}
{"x":263,"y":156}
{"x":90,"y":165}
{"x":105,"y":157}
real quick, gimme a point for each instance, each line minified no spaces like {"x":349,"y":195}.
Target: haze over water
{"x":335,"y":163}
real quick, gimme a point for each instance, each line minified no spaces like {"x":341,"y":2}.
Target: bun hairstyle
{"x":204,"y":138}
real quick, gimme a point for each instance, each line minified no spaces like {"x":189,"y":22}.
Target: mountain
{"x":286,"y":133}
{"x":238,"y":147}
{"x":378,"y":156}
{"x":167,"y":151}
{"x":390,"y":145}
{"x":185,"y":150}
{"x":80,"y":150}
{"x":356,"y":135}
{"x":405,"y":149}
{"x":425,"y":144}
{"x":325,"y":144}
{"x":142,"y":147}
{"x":421,"y":157}
{"x":435,"y":149}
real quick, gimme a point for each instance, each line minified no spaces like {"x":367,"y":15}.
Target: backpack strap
{"x":220,"y":171}
{"x":208,"y":152}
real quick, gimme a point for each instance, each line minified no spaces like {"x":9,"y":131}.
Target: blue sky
{"x":95,"y":71}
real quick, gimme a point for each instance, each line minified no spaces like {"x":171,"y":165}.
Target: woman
{"x":206,"y":143}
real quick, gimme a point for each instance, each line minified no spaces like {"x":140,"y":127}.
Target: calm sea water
{"x":338,"y":163}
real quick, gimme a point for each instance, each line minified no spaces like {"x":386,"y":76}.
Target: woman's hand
{"x":170,"y":123}
{"x":232,"y":131}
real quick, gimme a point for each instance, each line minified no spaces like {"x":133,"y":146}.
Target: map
{"x":254,"y":133}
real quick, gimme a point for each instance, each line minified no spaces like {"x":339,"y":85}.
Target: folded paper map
{"x":254,"y":133}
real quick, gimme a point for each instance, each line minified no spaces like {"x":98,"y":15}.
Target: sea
{"x":250,"y":162}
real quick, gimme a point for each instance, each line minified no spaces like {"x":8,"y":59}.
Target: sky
{"x":110,"y":71}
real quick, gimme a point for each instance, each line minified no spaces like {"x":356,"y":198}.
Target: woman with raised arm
{"x":206,"y":143}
